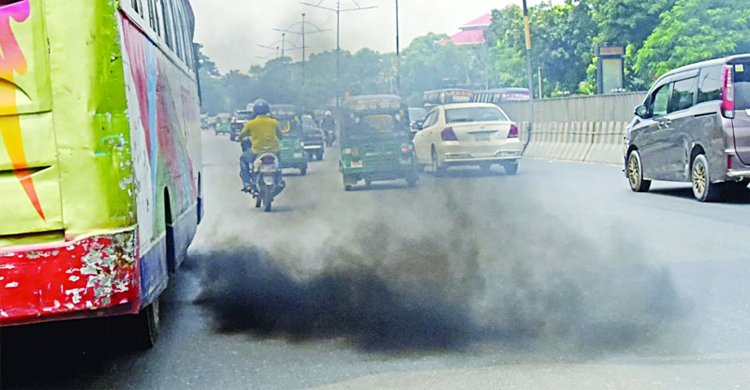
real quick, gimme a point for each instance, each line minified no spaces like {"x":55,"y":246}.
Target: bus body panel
{"x":106,"y":252}
{"x":29,"y":171}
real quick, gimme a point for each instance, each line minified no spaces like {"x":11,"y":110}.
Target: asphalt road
{"x":558,"y":277}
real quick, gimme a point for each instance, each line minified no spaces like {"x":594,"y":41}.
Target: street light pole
{"x":338,"y":10}
{"x":527,"y":29}
{"x":398,"y":55}
{"x":283,"y":44}
{"x":304,"y":52}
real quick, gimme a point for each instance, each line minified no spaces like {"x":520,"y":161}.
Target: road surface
{"x":557,"y":277}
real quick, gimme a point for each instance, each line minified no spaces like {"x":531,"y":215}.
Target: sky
{"x":234,"y":31}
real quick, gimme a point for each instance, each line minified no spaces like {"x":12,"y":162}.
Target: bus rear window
{"x":742,"y":85}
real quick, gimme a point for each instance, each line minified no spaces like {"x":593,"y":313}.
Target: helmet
{"x":261,"y":107}
{"x":328,"y":113}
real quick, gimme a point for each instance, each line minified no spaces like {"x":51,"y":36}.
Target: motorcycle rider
{"x":328,"y":124}
{"x":264,"y":134}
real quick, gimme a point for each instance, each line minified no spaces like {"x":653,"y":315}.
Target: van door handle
{"x":663,"y":124}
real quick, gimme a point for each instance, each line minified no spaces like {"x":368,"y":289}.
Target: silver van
{"x":694,"y":126}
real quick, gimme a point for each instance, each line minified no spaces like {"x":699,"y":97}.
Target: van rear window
{"x":742,"y":85}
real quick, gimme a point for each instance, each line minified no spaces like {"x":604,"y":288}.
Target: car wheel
{"x":635,"y":173}
{"x":703,"y":189}
{"x":485,"y":168}
{"x":511,"y":168}
{"x":437,"y":169}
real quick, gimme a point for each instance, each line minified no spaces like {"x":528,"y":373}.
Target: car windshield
{"x":474,"y":114}
{"x":742,"y":85}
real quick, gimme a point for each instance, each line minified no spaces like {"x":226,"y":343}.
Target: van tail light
{"x":513,"y":132}
{"x":727,"y":93}
{"x":448,"y":134}
{"x":730,"y":163}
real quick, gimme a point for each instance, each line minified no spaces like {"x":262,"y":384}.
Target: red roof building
{"x":471,"y":33}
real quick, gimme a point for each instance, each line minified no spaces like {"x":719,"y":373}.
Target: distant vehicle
{"x":501,"y":95}
{"x":447,"y":96}
{"x":292,"y":150}
{"x":694,"y":126}
{"x":375,"y":142}
{"x":100,"y":173}
{"x":313,"y":138}
{"x":239,"y":118}
{"x":468,"y":134}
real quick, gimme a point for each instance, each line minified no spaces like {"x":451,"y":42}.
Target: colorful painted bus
{"x":501,"y":95}
{"x":100,"y":166}
{"x":446,"y":96}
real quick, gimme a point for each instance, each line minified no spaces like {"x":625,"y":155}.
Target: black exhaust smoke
{"x":439,"y":275}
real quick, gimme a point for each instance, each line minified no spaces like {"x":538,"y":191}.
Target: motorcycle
{"x":330,"y":137}
{"x":269,"y":181}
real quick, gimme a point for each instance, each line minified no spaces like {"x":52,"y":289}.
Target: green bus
{"x":100,"y":164}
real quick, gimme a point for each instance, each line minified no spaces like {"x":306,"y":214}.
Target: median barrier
{"x":607,"y":145}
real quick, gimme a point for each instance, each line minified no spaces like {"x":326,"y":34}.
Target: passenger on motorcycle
{"x":264,"y":134}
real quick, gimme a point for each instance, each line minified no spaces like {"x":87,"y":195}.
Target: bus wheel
{"x":146,"y":329}
{"x":136,"y":332}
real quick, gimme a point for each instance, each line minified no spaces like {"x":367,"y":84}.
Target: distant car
{"x":238,"y":123}
{"x":477,"y":134}
{"x":694,"y":126}
{"x":313,"y":138}
{"x":416,"y":116}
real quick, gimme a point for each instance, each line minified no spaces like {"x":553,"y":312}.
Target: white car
{"x":468,"y":134}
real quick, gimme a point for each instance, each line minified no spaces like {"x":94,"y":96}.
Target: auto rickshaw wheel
{"x":303,"y":170}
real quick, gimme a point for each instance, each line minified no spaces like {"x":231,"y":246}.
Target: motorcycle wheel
{"x":267,"y":200}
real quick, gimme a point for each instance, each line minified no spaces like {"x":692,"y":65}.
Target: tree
{"x":628,"y":23}
{"x":562,"y":39}
{"x":213,"y":100}
{"x":695,"y":30}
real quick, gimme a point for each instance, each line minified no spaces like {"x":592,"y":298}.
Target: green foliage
{"x":692,"y":31}
{"x":562,"y":38}
{"x":658,"y":35}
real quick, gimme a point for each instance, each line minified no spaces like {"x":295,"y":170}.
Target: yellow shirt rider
{"x":264,"y":135}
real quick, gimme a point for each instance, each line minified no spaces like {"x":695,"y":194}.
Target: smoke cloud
{"x":455,"y":268}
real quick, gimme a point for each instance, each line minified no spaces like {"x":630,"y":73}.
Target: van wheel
{"x":635,"y":173}
{"x":703,"y":189}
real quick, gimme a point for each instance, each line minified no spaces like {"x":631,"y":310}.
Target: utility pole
{"x":527,"y":29}
{"x":338,"y":10}
{"x":283,"y":44}
{"x":398,"y":55}
{"x":303,"y":32}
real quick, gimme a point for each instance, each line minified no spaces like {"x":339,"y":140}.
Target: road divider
{"x":578,"y":128}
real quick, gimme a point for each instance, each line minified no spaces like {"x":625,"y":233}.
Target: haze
{"x":233,"y":31}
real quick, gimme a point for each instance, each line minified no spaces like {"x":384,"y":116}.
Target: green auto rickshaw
{"x":292,"y":152}
{"x":375,"y":141}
